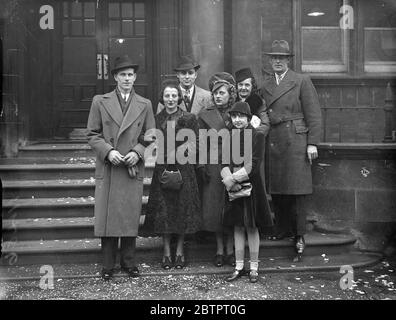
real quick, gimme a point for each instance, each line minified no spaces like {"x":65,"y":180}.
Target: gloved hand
{"x":236,"y":187}
{"x":202,"y":175}
{"x":229,"y":182}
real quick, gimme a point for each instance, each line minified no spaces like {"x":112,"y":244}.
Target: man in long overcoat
{"x":295,"y":117}
{"x":117,"y":122}
{"x":195,"y":98}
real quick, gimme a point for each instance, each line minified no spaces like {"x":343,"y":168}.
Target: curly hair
{"x":232,"y":90}
{"x":173,"y":86}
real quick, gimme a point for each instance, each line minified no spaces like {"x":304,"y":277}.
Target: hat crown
{"x":220,"y":78}
{"x":241,"y":107}
{"x":186,"y":63}
{"x":243,"y":74}
{"x":280,"y":47}
{"x":123,"y":62}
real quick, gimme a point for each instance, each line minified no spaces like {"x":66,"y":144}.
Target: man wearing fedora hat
{"x":295,"y":118}
{"x":116,"y":125}
{"x":194,"y":97}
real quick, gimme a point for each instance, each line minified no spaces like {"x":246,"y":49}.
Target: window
{"x":324,"y":45}
{"x":379,"y":34}
{"x":365,"y":45}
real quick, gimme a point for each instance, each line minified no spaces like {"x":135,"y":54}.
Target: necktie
{"x":187,"y":101}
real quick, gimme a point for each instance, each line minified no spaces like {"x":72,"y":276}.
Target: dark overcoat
{"x":118,"y":197}
{"x":295,"y":117}
{"x":213,"y":192}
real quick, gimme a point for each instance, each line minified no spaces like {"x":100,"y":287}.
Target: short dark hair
{"x":173,"y":86}
{"x":254,"y":84}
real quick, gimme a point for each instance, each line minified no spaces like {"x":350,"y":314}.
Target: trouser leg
{"x":283,"y":216}
{"x":109,"y":252}
{"x":301,"y":215}
{"x":128,"y":245}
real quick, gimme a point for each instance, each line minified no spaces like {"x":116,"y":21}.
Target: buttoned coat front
{"x":202,"y":99}
{"x":118,"y":197}
{"x":295,"y":97}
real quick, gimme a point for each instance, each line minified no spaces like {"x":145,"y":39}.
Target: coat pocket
{"x":300,"y":126}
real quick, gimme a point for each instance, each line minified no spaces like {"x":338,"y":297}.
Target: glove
{"x":229,"y":182}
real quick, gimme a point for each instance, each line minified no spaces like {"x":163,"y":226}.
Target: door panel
{"x":93,"y":34}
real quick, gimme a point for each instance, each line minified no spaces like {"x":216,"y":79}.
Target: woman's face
{"x":239,"y":120}
{"x":221,"y":96}
{"x":171,"y":97}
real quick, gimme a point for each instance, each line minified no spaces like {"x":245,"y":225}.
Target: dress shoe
{"x":253,"y":276}
{"x":179,"y":262}
{"x":230,"y":260}
{"x":235,"y":275}
{"x":219,"y":260}
{"x":131,"y":272}
{"x":107,"y":274}
{"x":166,"y":262}
{"x":299,"y":246}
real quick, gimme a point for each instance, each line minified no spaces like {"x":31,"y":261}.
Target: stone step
{"x":50,"y":207}
{"x":61,"y":188}
{"x":46,"y":171}
{"x":47,"y":159}
{"x":150,"y":248}
{"x":56,"y":150}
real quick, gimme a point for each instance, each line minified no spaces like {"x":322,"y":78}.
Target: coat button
{"x":138,"y":124}
{"x":111,"y":140}
{"x":270,"y":110}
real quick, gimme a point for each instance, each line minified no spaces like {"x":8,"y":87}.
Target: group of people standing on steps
{"x":281,"y":122}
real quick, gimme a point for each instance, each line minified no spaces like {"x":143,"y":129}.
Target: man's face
{"x":187,"y":78}
{"x":245,"y":88}
{"x":125,"y":79}
{"x":279,"y":63}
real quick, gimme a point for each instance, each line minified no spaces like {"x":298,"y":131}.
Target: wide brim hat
{"x":186,"y":63}
{"x":243,"y":74}
{"x":241,"y":107}
{"x":220,"y":79}
{"x":122,"y":63}
{"x":280,"y":48}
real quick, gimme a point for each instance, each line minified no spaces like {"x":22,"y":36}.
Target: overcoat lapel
{"x":136,"y":107}
{"x":113,"y":108}
{"x":213,"y":118}
{"x":287,"y":84}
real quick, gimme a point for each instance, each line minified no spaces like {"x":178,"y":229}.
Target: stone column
{"x":207,"y":37}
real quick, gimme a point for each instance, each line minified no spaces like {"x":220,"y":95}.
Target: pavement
{"x":280,"y":279}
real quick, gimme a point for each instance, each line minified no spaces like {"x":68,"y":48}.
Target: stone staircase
{"x":48,"y":215}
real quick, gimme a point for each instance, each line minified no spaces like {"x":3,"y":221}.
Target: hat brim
{"x":133,"y":66}
{"x":219,"y":85}
{"x":196,"y":67}
{"x":279,"y":54}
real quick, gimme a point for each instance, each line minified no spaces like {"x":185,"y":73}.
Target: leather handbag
{"x":244,"y":192}
{"x":171,"y":180}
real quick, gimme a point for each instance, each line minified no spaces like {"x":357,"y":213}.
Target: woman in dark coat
{"x":173,"y":211}
{"x":215,"y":119}
{"x":251,"y":211}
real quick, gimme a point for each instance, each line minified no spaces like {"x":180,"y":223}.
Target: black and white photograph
{"x":198,"y":156}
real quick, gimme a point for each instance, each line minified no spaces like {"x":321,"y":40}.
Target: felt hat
{"x":219,"y":79}
{"x":280,"y":48}
{"x":241,"y":107}
{"x":123,"y":62}
{"x":186,"y":63}
{"x":243,"y":74}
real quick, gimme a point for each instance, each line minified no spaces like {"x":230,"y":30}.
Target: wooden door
{"x":93,"y":33}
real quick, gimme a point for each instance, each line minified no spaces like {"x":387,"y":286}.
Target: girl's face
{"x":171,"y":97}
{"x":221,"y":96}
{"x":239,"y":120}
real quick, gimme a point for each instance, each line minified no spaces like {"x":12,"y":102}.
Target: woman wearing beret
{"x":174,"y":204}
{"x":247,"y":208}
{"x":216,"y":117}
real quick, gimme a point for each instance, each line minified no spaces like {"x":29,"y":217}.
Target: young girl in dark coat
{"x":251,"y":211}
